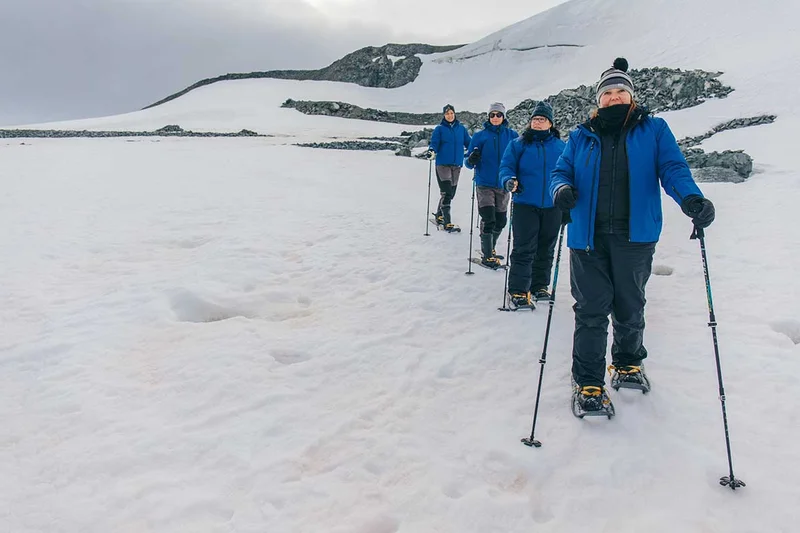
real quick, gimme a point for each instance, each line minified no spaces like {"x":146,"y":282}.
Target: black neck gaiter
{"x":611,"y":119}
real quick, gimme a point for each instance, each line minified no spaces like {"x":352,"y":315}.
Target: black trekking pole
{"x":508,"y":259}
{"x":728,"y":480}
{"x":530,"y":441}
{"x":469,"y":272}
{"x":428,"y":207}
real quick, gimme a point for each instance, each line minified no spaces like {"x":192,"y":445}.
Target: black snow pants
{"x":447,"y":178}
{"x":609,"y":280}
{"x":535,"y":232}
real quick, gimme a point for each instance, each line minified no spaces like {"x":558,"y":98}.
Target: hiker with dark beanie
{"x":448,"y":142}
{"x":609,"y":177}
{"x":485,"y":151}
{"x":525,"y":171}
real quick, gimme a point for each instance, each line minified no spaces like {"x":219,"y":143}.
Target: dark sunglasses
{"x":494,"y":114}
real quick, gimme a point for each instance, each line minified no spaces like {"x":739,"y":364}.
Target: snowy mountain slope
{"x":750,"y":43}
{"x":217,"y":335}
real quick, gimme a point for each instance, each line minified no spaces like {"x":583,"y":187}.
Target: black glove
{"x":511,"y":185}
{"x":566,"y":197}
{"x":565,"y":218}
{"x":699,"y":209}
{"x":474,"y":158}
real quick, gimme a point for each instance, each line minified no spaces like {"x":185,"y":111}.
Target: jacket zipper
{"x":613,"y":180}
{"x":497,"y":150}
{"x":589,"y":221}
{"x":544,"y":172}
{"x":591,"y":147}
{"x":455,"y":146}
{"x":630,"y":194}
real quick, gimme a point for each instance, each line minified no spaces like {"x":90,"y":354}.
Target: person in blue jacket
{"x":448,"y":142}
{"x":609,"y":177}
{"x":485,"y":151}
{"x":525,"y":170}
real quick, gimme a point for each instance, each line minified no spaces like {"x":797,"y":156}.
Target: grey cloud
{"x":62,"y":59}
{"x":67,"y":59}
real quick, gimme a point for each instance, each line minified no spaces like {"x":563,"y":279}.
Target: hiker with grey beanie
{"x":485,"y":152}
{"x":448,"y":142}
{"x":525,"y":171}
{"x":609,"y":177}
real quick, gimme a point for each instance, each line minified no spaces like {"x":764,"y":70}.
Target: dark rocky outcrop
{"x":167,"y":131}
{"x":736,"y":123}
{"x":659,"y":89}
{"x":345,"y":110}
{"x":353,"y":145}
{"x":370,"y":67}
{"x":730,"y":165}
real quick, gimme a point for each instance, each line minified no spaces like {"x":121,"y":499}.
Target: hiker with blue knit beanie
{"x":448,"y":142}
{"x":525,"y":171}
{"x":609,"y":177}
{"x":485,"y":152}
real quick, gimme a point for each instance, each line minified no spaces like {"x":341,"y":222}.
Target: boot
{"x":495,"y":236}
{"x":629,"y":377}
{"x":520,"y":300}
{"x":488,"y":259}
{"x":446,"y":215}
{"x":591,"y":398}
{"x":541,"y":293}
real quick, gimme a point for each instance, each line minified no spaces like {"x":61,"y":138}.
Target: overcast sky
{"x":62,"y":59}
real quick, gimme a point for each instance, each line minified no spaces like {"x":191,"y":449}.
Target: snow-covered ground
{"x":235,"y":335}
{"x":215,"y":335}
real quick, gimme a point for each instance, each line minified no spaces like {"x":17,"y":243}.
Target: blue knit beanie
{"x":543,"y":109}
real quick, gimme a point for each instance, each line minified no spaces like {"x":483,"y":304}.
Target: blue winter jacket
{"x":531,"y":165}
{"x":449,"y":140}
{"x":491,"y":141}
{"x":653,"y":157}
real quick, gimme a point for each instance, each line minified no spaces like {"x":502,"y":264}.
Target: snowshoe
{"x":541,"y":294}
{"x":520,"y":300}
{"x":452,"y":228}
{"x":591,"y":401}
{"x":498,"y":257}
{"x":491,"y":266}
{"x":629,"y":377}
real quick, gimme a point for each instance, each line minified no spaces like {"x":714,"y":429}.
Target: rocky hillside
{"x":388,"y":66}
{"x":659,"y":89}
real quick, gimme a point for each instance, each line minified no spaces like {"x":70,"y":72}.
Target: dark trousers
{"x":609,"y":280}
{"x":492,"y":206}
{"x":447,"y":178}
{"x":535,"y":232}
{"x":492,"y":220}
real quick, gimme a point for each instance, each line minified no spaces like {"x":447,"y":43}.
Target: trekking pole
{"x":469,"y":272}
{"x":728,"y":480}
{"x":530,"y":441}
{"x":508,"y":259}
{"x":428,"y":207}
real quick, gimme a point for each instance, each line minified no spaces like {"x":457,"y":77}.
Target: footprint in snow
{"x":663,"y":270}
{"x":788,"y":327}
{"x":289,"y":357}
{"x":189,"y":307}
